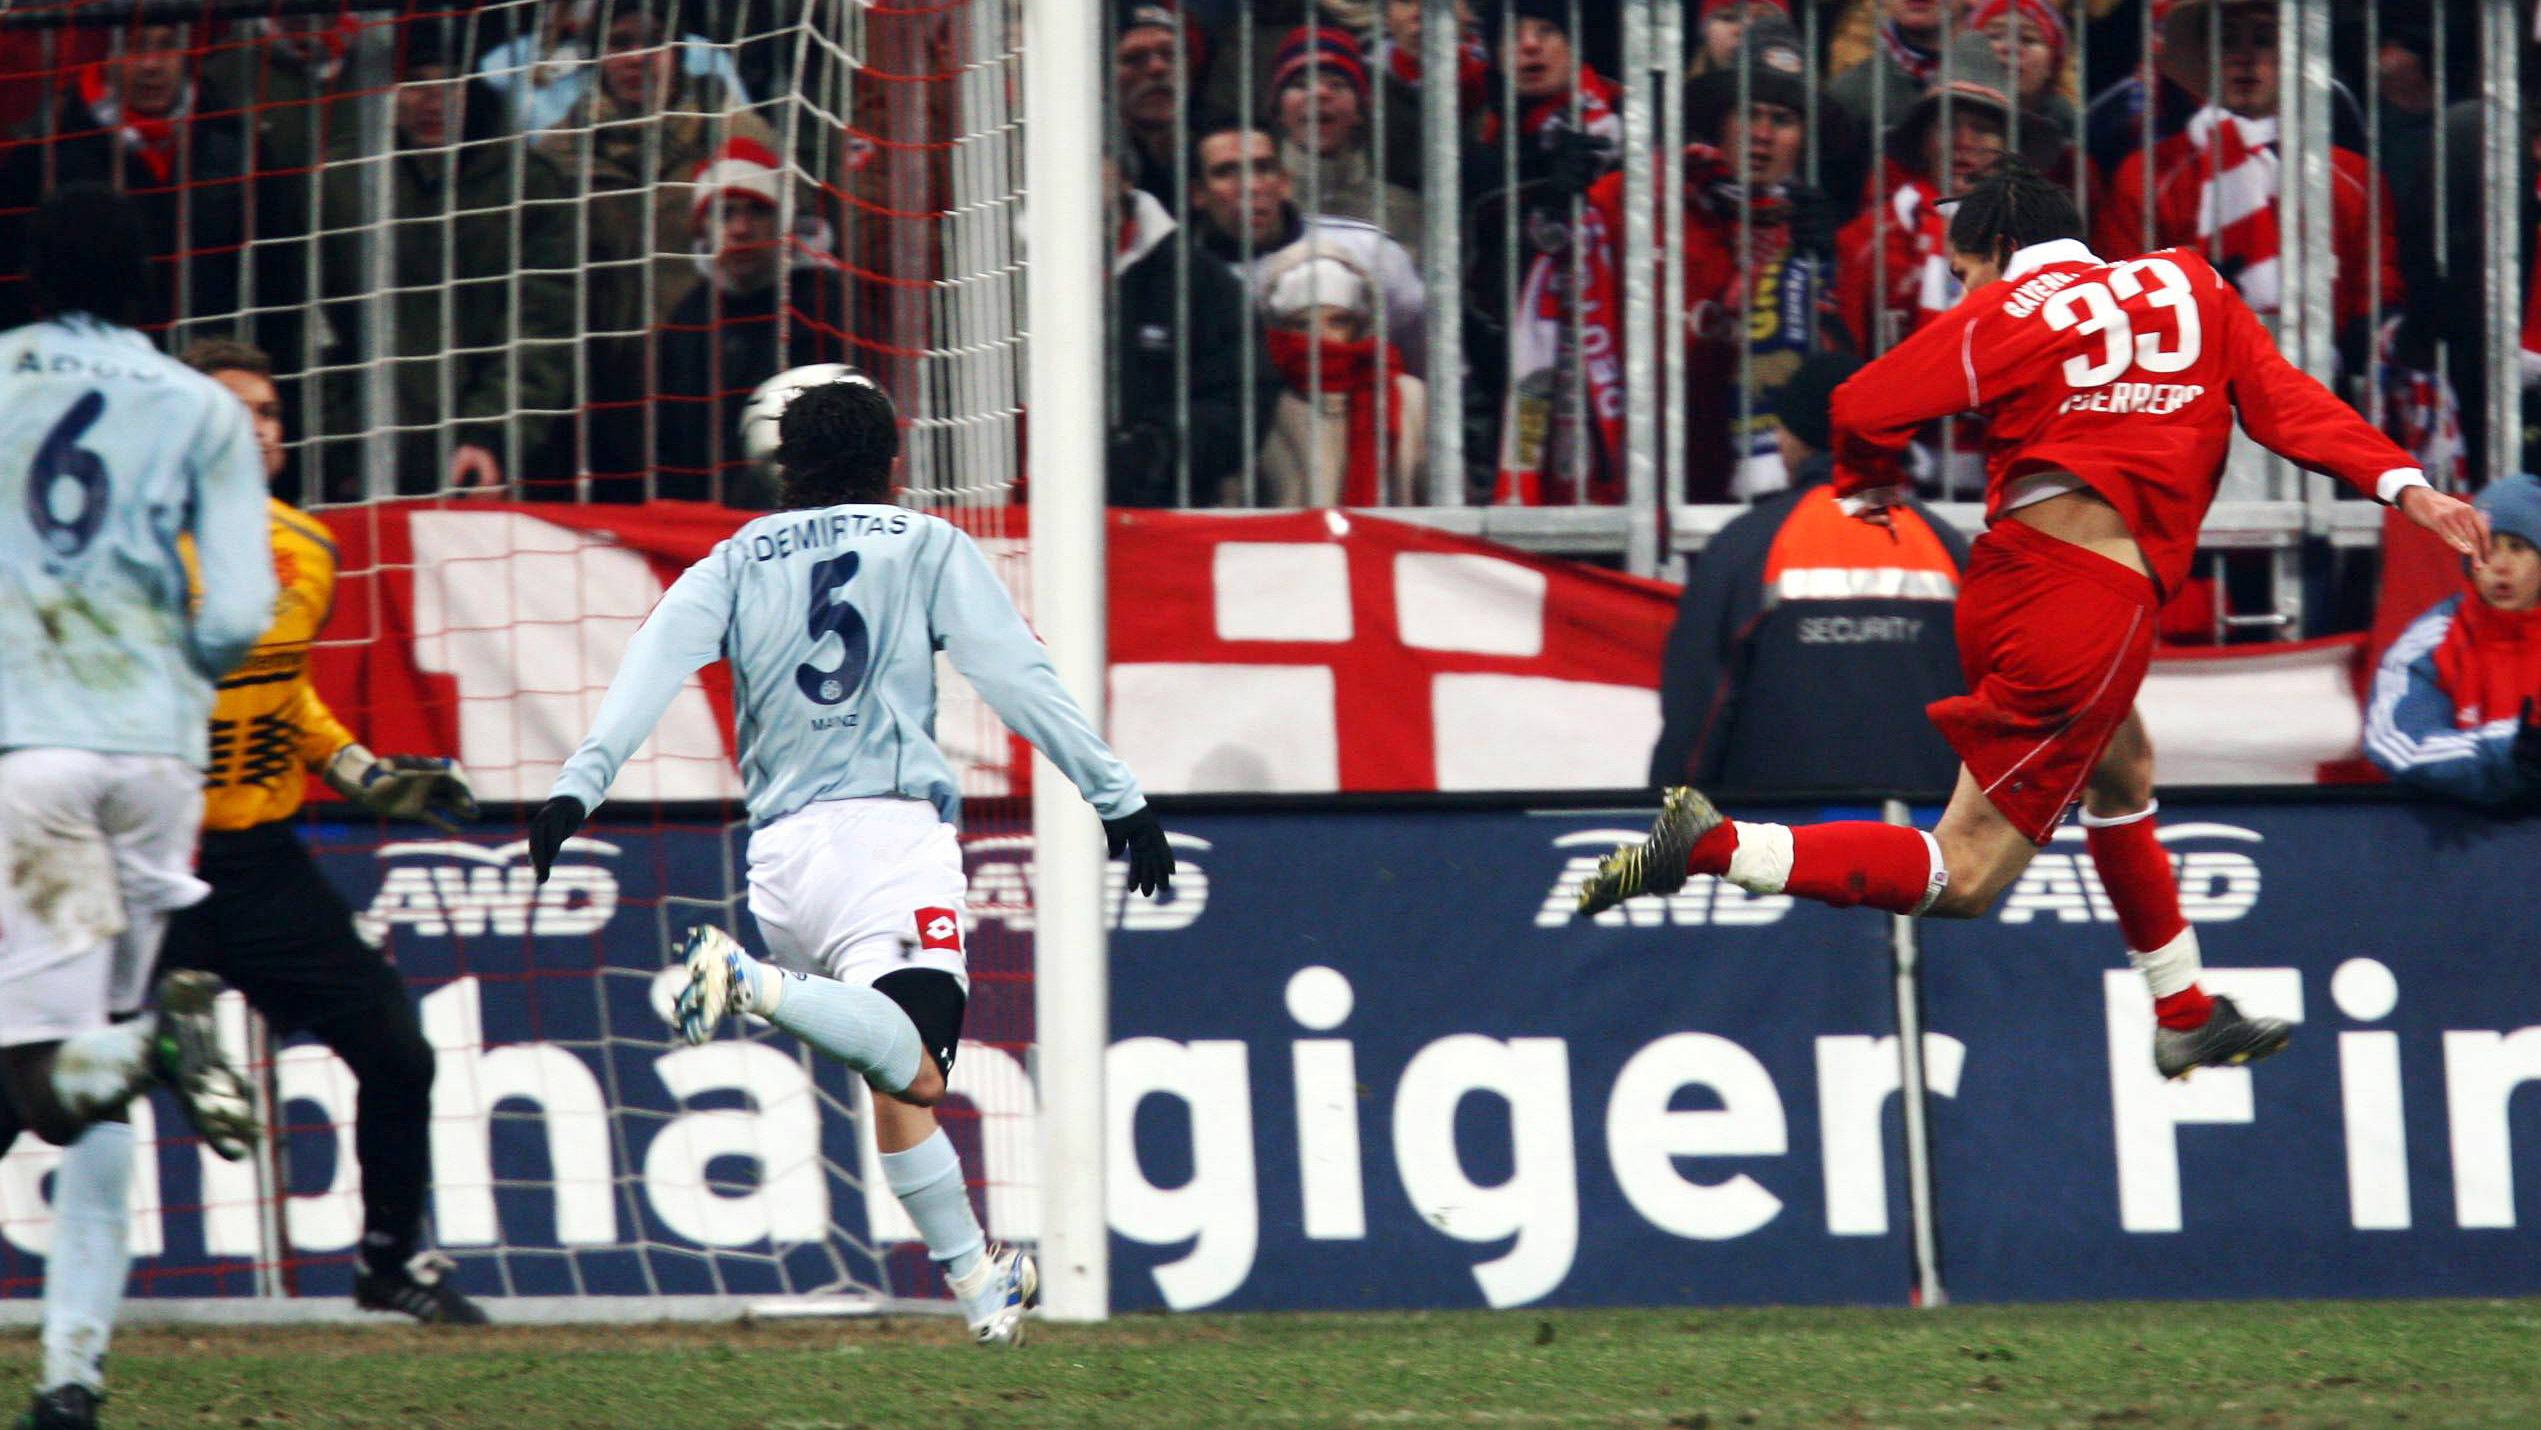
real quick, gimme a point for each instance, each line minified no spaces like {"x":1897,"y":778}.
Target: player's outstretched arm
{"x":979,"y":628}
{"x":1878,"y":410}
{"x":685,"y":631}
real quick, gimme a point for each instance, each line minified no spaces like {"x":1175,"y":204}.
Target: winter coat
{"x":713,"y":350}
{"x":1346,"y":186}
{"x":1145,"y":336}
{"x":1306,"y":460}
{"x":1805,"y":648}
{"x":2448,"y":698}
{"x":505,"y":339}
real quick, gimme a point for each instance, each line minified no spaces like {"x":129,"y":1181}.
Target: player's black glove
{"x":554,"y":823}
{"x":1150,"y":857}
{"x":1812,"y":223}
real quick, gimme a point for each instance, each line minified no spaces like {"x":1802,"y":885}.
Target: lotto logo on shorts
{"x":939,"y":928}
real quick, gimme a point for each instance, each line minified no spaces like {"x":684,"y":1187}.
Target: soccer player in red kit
{"x":2109,"y":392}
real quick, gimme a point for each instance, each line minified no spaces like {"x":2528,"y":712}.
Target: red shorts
{"x":2054,"y":641}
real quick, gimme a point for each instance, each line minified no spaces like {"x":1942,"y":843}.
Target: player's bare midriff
{"x":2086,"y":519}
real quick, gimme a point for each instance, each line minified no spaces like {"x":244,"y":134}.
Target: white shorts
{"x":96,"y":851}
{"x":857,"y":888}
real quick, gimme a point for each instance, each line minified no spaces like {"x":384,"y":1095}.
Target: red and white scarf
{"x":1353,"y":370}
{"x":1598,"y":114}
{"x":1924,"y":64}
{"x":2238,"y":174}
{"x":152,"y":140}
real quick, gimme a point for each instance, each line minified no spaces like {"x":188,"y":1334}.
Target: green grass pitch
{"x":2466,"y":1365}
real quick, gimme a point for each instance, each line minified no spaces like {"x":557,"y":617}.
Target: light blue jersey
{"x":831,"y":618}
{"x":109,"y":450}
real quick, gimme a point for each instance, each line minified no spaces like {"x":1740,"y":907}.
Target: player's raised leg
{"x":2193,"y":1029}
{"x":1956,"y":870}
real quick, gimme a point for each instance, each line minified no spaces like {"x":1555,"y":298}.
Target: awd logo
{"x":2215,"y":885}
{"x":1703,"y":900}
{"x":439,"y":887}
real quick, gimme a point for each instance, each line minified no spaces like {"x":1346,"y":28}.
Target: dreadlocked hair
{"x":2010,"y":208}
{"x":835,"y":444}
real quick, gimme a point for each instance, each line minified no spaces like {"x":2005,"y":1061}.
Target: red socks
{"x":2135,"y":870}
{"x":1843,"y":864}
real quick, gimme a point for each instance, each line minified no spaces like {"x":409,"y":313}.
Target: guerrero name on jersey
{"x":2126,"y":376}
{"x":831,"y":618}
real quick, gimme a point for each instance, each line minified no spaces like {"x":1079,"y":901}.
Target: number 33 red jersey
{"x":2126,"y":375}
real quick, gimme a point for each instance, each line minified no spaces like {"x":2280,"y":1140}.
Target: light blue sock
{"x":84,"y":1275}
{"x":928,"y":1181}
{"x":848,"y":1021}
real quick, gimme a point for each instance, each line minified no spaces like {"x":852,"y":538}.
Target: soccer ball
{"x":767,"y":403}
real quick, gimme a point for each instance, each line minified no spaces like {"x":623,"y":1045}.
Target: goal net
{"x":552,"y":247}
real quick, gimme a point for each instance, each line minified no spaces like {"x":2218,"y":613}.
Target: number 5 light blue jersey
{"x":831,"y":618}
{"x":109,"y":451}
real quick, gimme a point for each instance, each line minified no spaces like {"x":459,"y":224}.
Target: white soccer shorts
{"x":96,"y":851}
{"x":858,"y":888}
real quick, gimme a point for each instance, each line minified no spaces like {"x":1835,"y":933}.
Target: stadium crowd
{"x":555,"y":265}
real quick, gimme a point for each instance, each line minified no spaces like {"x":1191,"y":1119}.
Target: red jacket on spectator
{"x":2237,"y":158}
{"x":1903,"y":223}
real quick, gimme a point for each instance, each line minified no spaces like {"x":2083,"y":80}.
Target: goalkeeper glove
{"x":425,"y":787}
{"x":554,"y":823}
{"x":1150,"y":857}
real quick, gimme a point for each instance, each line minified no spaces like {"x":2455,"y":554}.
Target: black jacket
{"x":1147,"y":436}
{"x":1816,"y":682}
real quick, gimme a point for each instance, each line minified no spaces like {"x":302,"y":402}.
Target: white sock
{"x":928,"y":1181}
{"x":84,"y":1275}
{"x":848,"y":1021}
{"x":2171,"y":967}
{"x":1761,"y":864}
{"x":96,"y":1072}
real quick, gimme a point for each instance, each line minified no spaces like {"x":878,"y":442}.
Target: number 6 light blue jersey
{"x":109,"y":451}
{"x":831,"y":618}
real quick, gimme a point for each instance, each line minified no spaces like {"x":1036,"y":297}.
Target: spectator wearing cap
{"x":544,"y":73}
{"x":1350,"y":425}
{"x":1566,"y":110}
{"x":1181,"y":351}
{"x":479,"y":295}
{"x":1159,"y":59}
{"x":1394,"y":55}
{"x":2224,"y":166}
{"x":1319,"y":104}
{"x":1718,"y":25}
{"x":134,"y":120}
{"x":1739,"y":183}
{"x":1806,"y":644}
{"x":2030,"y":40}
{"x":2456,"y":710}
{"x":1893,"y":259}
{"x":766,"y":304}
{"x":1244,"y":214}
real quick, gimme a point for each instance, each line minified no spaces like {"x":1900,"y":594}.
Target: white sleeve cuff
{"x":2396,"y":481}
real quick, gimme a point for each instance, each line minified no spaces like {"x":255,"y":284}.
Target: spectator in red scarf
{"x":1395,"y":57}
{"x":2225,"y":162}
{"x":2456,"y":706}
{"x":130,"y":121}
{"x":1552,"y":82}
{"x":1333,"y":441}
{"x":1738,"y":184}
{"x":1319,"y":102}
{"x":2030,"y":39}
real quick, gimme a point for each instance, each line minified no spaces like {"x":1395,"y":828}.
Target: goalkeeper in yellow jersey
{"x":274,"y":928}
